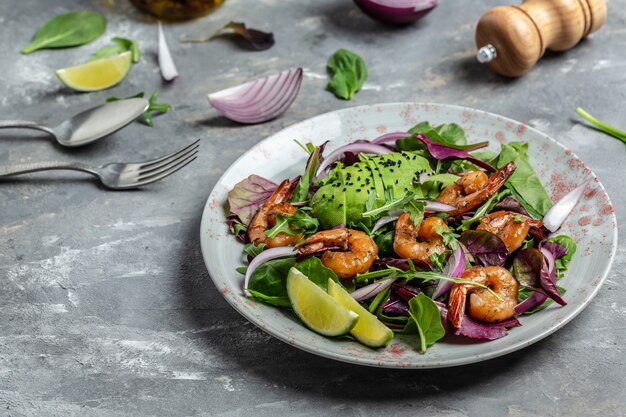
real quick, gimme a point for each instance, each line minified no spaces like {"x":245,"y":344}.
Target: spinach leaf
{"x":316,"y":272}
{"x":524,"y":183}
{"x":445,"y":134}
{"x":268,"y":283}
{"x":424,"y":314}
{"x":349,"y":74}
{"x":69,"y":29}
{"x":121,"y":45}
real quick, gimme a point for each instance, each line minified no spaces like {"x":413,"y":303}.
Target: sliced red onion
{"x":555,"y":217}
{"x":436,"y":206}
{"x":454,"y":268}
{"x":373,"y":289}
{"x":392,"y":217}
{"x":261,"y":258}
{"x":259,"y":100}
{"x":423,"y":176}
{"x":390,"y":138}
{"x":358,"y":147}
{"x":396,"y":11}
{"x":166,"y":63}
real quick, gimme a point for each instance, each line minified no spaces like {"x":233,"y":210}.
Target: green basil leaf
{"x":349,"y":73}
{"x":425,"y":315}
{"x":121,"y":45}
{"x":69,"y":29}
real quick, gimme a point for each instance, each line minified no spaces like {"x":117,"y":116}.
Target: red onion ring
{"x":261,"y":258}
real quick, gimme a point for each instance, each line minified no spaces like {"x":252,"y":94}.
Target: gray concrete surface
{"x":106,"y":308}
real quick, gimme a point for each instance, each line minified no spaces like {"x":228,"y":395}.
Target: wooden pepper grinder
{"x":513,"y":38}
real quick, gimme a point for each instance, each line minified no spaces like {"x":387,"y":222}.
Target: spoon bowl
{"x":90,"y":125}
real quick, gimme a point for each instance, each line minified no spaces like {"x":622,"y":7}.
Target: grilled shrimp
{"x":482,"y":305}
{"x":355,"y":253}
{"x":511,"y":228}
{"x":410,"y":242}
{"x":474,"y":188}
{"x":265,"y":218}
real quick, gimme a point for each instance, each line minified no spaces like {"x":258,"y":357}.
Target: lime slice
{"x":318,"y":310}
{"x":368,"y":330}
{"x":97,"y":75}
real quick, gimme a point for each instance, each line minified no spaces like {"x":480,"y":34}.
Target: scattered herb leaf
{"x":255,"y":39}
{"x":349,"y":74}
{"x":152,"y":107}
{"x":68,"y":29}
{"x":120,"y":45}
{"x":608,"y":129}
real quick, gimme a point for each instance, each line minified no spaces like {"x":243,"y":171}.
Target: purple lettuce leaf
{"x":488,"y":248}
{"x":248,"y":195}
{"x":441,"y":152}
{"x":557,"y":250}
{"x":396,"y":307}
{"x":510,"y":203}
{"x":475,"y":329}
{"x":533,"y":272}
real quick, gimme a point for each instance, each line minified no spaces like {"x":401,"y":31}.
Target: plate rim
{"x":402,"y":365}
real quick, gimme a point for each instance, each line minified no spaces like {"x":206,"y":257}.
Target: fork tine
{"x":166,"y":167}
{"x":167,"y":162}
{"x":166,"y":173}
{"x":163,"y":158}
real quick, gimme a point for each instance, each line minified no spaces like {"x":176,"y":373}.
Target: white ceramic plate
{"x":592,"y":224}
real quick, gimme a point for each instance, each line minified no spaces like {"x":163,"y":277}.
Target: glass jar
{"x":177,"y":9}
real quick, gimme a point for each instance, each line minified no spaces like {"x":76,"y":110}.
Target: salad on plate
{"x":416,"y":232}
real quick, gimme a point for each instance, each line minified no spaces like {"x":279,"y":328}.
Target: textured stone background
{"x":106,"y":307}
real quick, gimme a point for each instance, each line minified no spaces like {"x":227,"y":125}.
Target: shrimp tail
{"x":493,"y":184}
{"x":456,"y":306}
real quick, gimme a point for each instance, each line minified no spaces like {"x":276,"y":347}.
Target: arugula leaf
{"x":391,"y":203}
{"x":608,"y":129}
{"x":121,"y":45}
{"x":299,"y":222}
{"x":68,"y":29}
{"x":524,"y":183}
{"x":301,"y":192}
{"x":349,"y":74}
{"x":450,"y":239}
{"x":424,"y":314}
{"x":253,"y":250}
{"x":153,"y":106}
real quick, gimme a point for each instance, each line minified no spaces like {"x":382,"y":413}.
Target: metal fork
{"x":118,"y":175}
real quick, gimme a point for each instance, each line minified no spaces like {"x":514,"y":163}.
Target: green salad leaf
{"x":424,"y":315}
{"x":68,"y":29}
{"x":120,"y":45}
{"x":349,"y":74}
{"x":268,"y":283}
{"x":524,"y":183}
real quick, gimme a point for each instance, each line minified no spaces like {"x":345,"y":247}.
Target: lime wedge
{"x":318,"y":310}
{"x":97,"y":75}
{"x":368,"y":330}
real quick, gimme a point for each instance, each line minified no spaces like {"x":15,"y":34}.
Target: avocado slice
{"x":343,"y":199}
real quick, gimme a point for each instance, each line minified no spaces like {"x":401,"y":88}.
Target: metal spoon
{"x":89,"y":125}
